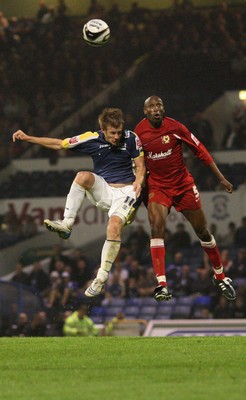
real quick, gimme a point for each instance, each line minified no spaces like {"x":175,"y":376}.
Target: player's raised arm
{"x":52,"y":143}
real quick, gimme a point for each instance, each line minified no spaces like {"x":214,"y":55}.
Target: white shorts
{"x":116,"y":201}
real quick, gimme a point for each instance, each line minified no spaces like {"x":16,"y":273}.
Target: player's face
{"x":154,"y":111}
{"x":113,"y":135}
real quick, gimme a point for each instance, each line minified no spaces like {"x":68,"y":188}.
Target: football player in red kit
{"x":171,"y":184}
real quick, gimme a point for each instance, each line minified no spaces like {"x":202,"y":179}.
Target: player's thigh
{"x":101,"y":194}
{"x":157,"y":214}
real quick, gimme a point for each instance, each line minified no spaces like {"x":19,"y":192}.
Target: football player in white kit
{"x":114,"y":186}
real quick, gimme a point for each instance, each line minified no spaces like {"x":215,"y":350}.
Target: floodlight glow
{"x":242,"y":94}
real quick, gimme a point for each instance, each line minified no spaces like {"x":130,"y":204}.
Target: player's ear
{"x":144,"y":111}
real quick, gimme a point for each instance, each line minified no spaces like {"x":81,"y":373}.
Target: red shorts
{"x":189,"y":199}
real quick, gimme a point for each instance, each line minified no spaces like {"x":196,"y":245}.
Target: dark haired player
{"x":113,"y":187}
{"x":171,"y":184}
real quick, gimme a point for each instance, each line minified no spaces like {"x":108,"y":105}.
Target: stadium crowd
{"x":38,"y":54}
{"x":132,"y":282}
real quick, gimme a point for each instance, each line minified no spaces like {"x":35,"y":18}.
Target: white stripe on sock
{"x":156,"y":242}
{"x":209,"y":245}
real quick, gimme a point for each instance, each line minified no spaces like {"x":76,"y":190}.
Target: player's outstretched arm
{"x":224,"y":182}
{"x":52,"y":143}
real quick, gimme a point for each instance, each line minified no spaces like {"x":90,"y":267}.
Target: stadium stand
{"x":33,"y":98}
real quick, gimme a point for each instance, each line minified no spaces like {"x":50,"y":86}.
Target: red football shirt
{"x":164,"y":156}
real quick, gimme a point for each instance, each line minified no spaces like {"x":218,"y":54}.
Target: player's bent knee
{"x":85,"y":179}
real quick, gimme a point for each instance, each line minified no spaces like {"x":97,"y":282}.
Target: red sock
{"x":214,"y":256}
{"x":158,"y":253}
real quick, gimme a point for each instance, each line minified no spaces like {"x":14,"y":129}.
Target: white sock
{"x":74,"y":201}
{"x":110,"y":251}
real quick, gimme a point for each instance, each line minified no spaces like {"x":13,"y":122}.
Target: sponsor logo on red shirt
{"x":159,"y":156}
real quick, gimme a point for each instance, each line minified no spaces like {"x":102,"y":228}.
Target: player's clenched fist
{"x":20,"y":135}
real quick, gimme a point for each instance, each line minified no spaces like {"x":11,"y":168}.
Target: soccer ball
{"x":96,"y":32}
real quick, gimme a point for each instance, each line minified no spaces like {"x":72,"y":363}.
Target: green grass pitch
{"x":123,"y":368}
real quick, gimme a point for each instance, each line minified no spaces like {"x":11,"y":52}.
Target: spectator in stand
{"x":40,"y":325}
{"x":83,"y":273}
{"x":38,"y":278}
{"x":235,"y":138}
{"x":95,"y":10}
{"x":238,"y":269}
{"x":4,"y":23}
{"x":140,"y":235}
{"x":134,"y":268}
{"x":203,"y":130}
{"x":28,"y":227}
{"x":64,"y":295}
{"x":146,"y":283}
{"x":57,"y":256}
{"x":228,"y":239}
{"x":238,"y":66}
{"x":114,"y":16}
{"x":181,"y":239}
{"x":69,"y":292}
{"x":79,"y":324}
{"x":42,"y":10}
{"x":174,"y":268}
{"x":239,"y":308}
{"x":138,"y":243}
{"x":22,"y":327}
{"x":62,"y":8}
{"x":19,"y":275}
{"x":11,"y":225}
{"x":60,"y":266}
{"x":240,"y":235}
{"x":58,"y":321}
{"x":5,"y":325}
{"x":202,"y":313}
{"x":55,"y":281}
{"x":83,"y":83}
{"x":121,"y":270}
{"x":202,"y":283}
{"x":49,"y":16}
{"x":78,"y":254}
{"x":132,"y":288}
{"x":182,"y":285}
{"x":214,"y":231}
{"x":227,"y":262}
{"x":223,"y":309}
{"x":115,"y":288}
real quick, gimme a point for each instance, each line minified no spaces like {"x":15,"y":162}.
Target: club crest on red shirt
{"x":165,"y":139}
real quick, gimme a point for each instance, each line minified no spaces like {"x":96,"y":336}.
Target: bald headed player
{"x":171,"y":184}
